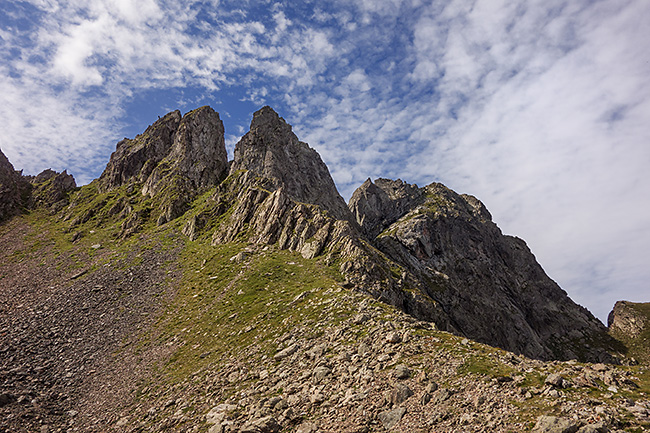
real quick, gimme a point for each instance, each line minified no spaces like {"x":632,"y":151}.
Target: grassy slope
{"x":239,"y":304}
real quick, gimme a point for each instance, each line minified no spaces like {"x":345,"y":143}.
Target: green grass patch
{"x":480,"y":364}
{"x":234,"y":300}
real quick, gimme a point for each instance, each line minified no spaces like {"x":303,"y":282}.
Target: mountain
{"x":181,"y":291}
{"x":489,"y":285}
{"x":175,"y":158}
{"x":272,"y":151}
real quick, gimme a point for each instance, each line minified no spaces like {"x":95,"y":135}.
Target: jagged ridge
{"x":489,"y":285}
{"x":258,"y":319}
{"x":431,"y":252}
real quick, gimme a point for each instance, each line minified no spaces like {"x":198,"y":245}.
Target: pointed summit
{"x":271,"y":150}
{"x":174,"y":160}
{"x":135,"y":159}
{"x":266,"y":118}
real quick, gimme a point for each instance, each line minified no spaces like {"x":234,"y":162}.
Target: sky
{"x":540,"y":108}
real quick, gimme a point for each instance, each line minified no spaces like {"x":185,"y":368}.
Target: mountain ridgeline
{"x":429,"y":251}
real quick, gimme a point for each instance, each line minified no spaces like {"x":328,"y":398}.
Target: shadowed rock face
{"x":197,"y":154}
{"x":271,"y":150}
{"x":490,"y":285}
{"x":135,"y":159}
{"x":14,"y":189}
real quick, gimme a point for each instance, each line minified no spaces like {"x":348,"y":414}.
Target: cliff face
{"x":629,"y":322}
{"x":14,"y":189}
{"x":628,"y":318}
{"x":135,"y":159}
{"x":489,"y":285}
{"x":176,"y":158}
{"x":18,"y":193}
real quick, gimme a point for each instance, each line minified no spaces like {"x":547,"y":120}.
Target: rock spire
{"x":14,"y":189}
{"x":271,"y":150}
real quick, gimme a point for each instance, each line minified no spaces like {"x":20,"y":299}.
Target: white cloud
{"x":91,"y":55}
{"x":281,"y":21}
{"x":539,"y":108}
{"x":52,"y":130}
{"x":537,"y":148}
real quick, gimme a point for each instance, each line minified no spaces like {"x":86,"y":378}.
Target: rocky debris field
{"x":66,"y":319}
{"x":395,"y":374}
{"x":85,"y":349}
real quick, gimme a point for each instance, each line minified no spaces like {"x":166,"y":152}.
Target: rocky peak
{"x":627,"y":318}
{"x":197,"y":154}
{"x":267,"y":120}
{"x":135,"y":159}
{"x":50,"y":189}
{"x":377,"y":205}
{"x":629,"y":322}
{"x":14,"y":189}
{"x":271,"y":150}
{"x":174,"y":160}
{"x":489,"y":285}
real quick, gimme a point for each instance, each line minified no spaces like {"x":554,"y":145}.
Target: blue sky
{"x":539,"y":108}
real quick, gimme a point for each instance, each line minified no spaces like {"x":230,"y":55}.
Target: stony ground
{"x":65,"y":321}
{"x":150,"y":335}
{"x":393,"y":374}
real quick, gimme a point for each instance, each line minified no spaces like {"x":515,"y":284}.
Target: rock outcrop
{"x":51,"y":189}
{"x":378,"y":205}
{"x":627,"y":318}
{"x":629,"y":322}
{"x":174,"y":160}
{"x":48,"y":189}
{"x":490,"y":285}
{"x":135,"y":159}
{"x":271,"y":150}
{"x":14,"y":189}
